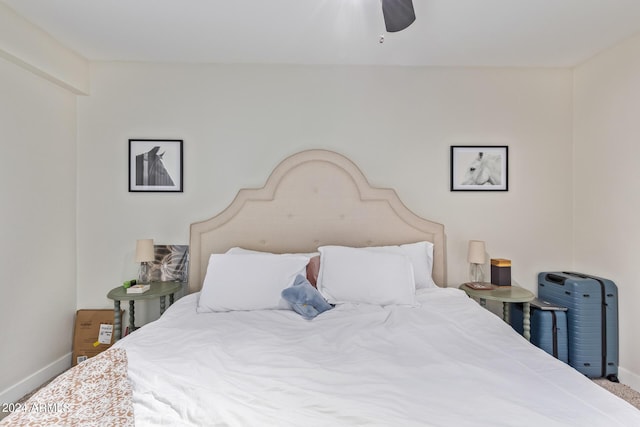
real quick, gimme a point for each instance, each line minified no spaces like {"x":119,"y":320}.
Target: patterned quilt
{"x":94,"y":393}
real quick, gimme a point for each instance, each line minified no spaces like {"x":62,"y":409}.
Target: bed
{"x":431,"y":356}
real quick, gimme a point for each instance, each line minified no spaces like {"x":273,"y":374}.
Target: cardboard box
{"x":86,"y":333}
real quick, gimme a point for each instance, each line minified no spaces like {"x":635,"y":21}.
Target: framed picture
{"x":479,"y":168}
{"x":155,"y":165}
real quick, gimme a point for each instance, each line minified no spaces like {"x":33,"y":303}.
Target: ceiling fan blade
{"x":398,"y":14}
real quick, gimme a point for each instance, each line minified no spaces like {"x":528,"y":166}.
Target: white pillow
{"x":238,"y":250}
{"x":421,"y":256}
{"x":312,"y":269}
{"x":248,"y":281}
{"x":362,"y":276}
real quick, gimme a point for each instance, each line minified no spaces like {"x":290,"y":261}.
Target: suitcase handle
{"x":555,"y":278}
{"x":571,"y":273}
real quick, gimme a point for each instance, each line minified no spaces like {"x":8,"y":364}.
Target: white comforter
{"x":447,"y":362}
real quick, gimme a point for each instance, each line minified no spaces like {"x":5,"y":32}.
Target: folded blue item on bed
{"x":305,"y":299}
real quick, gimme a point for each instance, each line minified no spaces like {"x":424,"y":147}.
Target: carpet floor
{"x":621,"y":390}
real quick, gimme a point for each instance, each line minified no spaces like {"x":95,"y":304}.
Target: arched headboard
{"x":312,"y":198}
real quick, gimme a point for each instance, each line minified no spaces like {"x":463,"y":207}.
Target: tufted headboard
{"x":312,"y":198}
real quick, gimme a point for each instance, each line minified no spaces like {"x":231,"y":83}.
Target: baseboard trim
{"x":35,"y":380}
{"x":629,"y":378}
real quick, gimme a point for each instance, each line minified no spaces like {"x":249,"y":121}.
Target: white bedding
{"x":447,"y":362}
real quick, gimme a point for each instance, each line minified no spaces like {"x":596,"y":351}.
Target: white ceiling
{"x":546,"y":33}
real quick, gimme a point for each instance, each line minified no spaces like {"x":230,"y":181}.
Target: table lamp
{"x":476,"y":259}
{"x":144,"y":255}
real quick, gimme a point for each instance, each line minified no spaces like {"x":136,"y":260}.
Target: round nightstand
{"x":157,"y":290}
{"x":505,"y":295}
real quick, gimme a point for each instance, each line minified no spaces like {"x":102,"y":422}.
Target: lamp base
{"x":476,"y":272}
{"x":144,"y":275}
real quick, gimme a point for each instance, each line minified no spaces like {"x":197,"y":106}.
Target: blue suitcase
{"x":548,"y":327}
{"x":592,"y":319}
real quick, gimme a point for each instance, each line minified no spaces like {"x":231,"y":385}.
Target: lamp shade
{"x":476,"y":253}
{"x":144,"y":250}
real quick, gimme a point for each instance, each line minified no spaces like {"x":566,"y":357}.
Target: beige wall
{"x":35,"y":50}
{"x":397,"y":124}
{"x":37,"y":229}
{"x":607,"y":182}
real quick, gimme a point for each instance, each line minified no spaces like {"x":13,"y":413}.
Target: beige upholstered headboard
{"x":313,"y":198}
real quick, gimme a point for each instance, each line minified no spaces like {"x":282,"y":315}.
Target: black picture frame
{"x":479,"y":168}
{"x":155,"y":165}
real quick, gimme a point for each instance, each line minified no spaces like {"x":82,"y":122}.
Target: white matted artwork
{"x":170,"y":264}
{"x":479,"y":168}
{"x":155,"y":165}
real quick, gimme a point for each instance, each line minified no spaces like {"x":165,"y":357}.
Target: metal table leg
{"x":162,"y":305}
{"x":132,"y":316}
{"x":526,"y":321}
{"x":117,"y":321}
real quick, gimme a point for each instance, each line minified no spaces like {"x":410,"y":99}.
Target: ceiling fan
{"x":398,"y":14}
